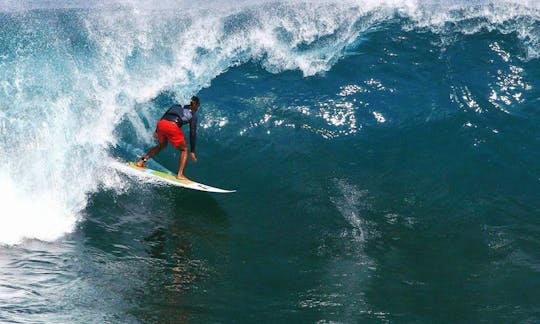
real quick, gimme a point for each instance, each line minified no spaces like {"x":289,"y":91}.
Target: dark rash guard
{"x":181,"y":116}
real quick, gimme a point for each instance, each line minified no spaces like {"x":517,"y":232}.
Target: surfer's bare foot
{"x":140,"y":164}
{"x":181,"y":177}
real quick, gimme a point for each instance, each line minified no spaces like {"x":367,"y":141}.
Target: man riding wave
{"x":169,"y":129}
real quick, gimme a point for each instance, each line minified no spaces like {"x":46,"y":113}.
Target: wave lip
{"x":521,"y":18}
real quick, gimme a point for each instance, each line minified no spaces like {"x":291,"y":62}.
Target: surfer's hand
{"x":154,"y":135}
{"x":193,"y":157}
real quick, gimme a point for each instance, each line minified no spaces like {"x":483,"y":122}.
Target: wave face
{"x":385,"y":155}
{"x":73,"y":73}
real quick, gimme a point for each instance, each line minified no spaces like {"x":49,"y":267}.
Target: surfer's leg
{"x":153,"y":151}
{"x":183,"y":160}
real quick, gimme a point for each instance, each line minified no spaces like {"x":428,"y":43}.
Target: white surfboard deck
{"x":171,"y":179}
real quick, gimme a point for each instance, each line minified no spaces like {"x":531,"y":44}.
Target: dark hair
{"x":195,"y":100}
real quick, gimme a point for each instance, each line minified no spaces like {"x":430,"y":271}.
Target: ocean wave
{"x":73,"y":71}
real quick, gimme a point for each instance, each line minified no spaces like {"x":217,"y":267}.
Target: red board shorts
{"x":169,"y":131}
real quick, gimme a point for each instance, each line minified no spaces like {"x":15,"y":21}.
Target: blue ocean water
{"x":385,"y":155}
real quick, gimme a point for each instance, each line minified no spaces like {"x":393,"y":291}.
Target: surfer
{"x":168,"y":129}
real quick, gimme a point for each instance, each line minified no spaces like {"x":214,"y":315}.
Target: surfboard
{"x":171,"y":179}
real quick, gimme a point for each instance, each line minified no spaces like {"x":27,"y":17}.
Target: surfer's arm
{"x":193,"y":133}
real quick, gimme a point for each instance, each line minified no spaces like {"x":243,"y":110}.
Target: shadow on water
{"x":149,"y":248}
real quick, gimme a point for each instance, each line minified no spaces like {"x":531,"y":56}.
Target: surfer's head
{"x":195,"y":103}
